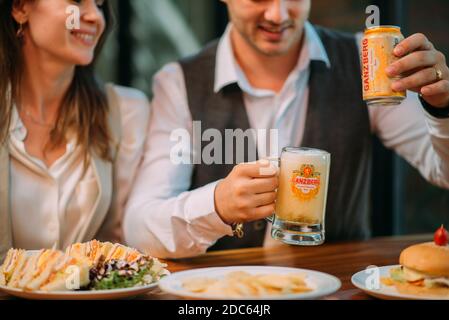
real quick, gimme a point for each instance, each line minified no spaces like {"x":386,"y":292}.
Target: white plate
{"x":322,"y":284}
{"x":80,"y":295}
{"x":385,"y":292}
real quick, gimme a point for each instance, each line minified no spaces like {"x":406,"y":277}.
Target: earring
{"x":19,"y":33}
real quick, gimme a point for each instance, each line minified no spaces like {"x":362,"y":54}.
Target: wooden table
{"x":339,"y":259}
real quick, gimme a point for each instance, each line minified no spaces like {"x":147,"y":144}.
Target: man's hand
{"x":248,"y":193}
{"x":423,"y":68}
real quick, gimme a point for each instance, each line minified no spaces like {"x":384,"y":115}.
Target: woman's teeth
{"x":85,"y":37}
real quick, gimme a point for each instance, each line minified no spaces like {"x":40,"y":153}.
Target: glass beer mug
{"x":301,"y":197}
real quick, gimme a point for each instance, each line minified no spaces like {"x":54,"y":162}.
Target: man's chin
{"x":272,"y":50}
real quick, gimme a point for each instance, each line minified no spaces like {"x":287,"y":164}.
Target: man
{"x":273,"y":70}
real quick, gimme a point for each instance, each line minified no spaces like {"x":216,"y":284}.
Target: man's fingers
{"x":259,"y":169}
{"x":264,"y":211}
{"x":417,"y":41}
{"x":263,"y":185}
{"x":264,"y":199}
{"x":437,"y":88}
{"x":416,"y":80}
{"x":415,"y":60}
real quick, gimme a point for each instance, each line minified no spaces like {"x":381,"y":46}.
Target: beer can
{"x":377,"y":54}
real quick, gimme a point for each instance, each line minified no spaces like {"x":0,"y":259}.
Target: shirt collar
{"x":19,"y":131}
{"x":17,"y":128}
{"x":227,"y":70}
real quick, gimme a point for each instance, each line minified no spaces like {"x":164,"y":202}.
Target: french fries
{"x":245,"y":285}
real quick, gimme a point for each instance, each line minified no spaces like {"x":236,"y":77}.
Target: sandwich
{"x":70,"y":273}
{"x":121,"y":252}
{"x":44,"y":270}
{"x":103,"y":252}
{"x":94,"y":251}
{"x":92,"y":265}
{"x":14,"y":260}
{"x":125,"y":267}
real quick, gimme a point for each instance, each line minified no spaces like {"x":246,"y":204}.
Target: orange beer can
{"x":377,"y":54}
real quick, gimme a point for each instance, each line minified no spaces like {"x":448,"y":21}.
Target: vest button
{"x":259,"y":225}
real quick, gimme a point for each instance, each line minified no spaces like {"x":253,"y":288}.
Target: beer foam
{"x":311,"y":155}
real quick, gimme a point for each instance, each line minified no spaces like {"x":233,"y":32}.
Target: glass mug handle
{"x":277,"y":162}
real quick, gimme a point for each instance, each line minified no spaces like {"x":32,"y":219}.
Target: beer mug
{"x":301,"y":197}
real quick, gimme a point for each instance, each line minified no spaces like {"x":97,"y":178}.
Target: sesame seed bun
{"x":427,"y":258}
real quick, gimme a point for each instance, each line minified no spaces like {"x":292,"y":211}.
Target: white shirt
{"x":49,"y":205}
{"x":168,"y":221}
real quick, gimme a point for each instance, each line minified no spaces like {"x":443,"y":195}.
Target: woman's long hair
{"x":84,"y":108}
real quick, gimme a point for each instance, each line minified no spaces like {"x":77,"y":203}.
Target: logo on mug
{"x":306,"y":182}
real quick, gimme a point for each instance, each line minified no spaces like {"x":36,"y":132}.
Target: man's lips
{"x":273,"y":34}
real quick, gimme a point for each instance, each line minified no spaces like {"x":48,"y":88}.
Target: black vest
{"x":337,"y":121}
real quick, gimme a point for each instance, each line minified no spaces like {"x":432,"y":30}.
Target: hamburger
{"x":424,"y":270}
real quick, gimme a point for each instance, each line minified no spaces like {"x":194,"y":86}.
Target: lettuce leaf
{"x":115,"y":281}
{"x":397,"y":274}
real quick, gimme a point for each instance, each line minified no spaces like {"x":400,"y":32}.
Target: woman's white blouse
{"x":49,"y":205}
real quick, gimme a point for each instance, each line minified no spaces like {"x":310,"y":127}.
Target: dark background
{"x":151,"y":33}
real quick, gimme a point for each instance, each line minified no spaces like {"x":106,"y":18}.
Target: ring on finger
{"x":439,"y":74}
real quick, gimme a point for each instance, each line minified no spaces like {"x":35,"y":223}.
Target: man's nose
{"x":277,"y":11}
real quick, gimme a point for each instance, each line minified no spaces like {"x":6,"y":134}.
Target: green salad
{"x":119,"y":274}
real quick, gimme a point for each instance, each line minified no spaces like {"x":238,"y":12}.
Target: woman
{"x":69,"y":146}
